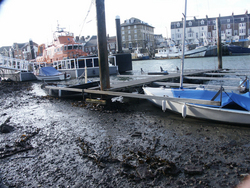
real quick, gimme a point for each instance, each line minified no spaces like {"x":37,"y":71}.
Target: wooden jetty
{"x":119,"y":89}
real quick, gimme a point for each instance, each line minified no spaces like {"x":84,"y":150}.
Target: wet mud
{"x":51,"y":142}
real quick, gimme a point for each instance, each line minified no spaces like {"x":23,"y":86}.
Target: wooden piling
{"x":219,"y":49}
{"x":118,"y":34}
{"x":102,"y":45}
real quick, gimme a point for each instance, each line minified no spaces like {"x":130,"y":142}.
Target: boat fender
{"x":184,"y":110}
{"x":164,"y":107}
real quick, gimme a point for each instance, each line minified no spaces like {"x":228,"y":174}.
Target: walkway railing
{"x":15,"y":64}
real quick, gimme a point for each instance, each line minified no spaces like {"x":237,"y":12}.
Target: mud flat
{"x":50,"y":142}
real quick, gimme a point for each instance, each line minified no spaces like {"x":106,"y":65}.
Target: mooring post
{"x":32,"y":49}
{"x":118,"y":34}
{"x":102,"y":45}
{"x":219,"y":50}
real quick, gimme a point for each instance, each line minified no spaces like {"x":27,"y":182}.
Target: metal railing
{"x":81,"y":63}
{"x":15,"y":64}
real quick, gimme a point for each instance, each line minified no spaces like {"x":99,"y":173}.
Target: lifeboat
{"x":63,"y":47}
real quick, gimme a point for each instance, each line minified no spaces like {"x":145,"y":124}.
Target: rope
{"x":92,"y":2}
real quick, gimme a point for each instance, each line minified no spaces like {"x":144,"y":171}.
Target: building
{"x":136,"y":33}
{"x":92,"y":48}
{"x":233,"y":28}
{"x":19,"y":50}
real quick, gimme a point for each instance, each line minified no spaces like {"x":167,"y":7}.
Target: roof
{"x":92,"y":41}
{"x":4,"y":47}
{"x":135,"y":21}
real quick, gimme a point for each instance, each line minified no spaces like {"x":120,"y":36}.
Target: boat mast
{"x":183,"y":45}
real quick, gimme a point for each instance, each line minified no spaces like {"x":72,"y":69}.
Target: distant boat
{"x":238,"y":50}
{"x":51,"y":74}
{"x":175,"y":52}
{"x":137,"y":55}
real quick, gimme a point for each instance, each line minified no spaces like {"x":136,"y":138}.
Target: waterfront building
{"x":19,"y":50}
{"x":137,"y":34}
{"x":233,"y":28}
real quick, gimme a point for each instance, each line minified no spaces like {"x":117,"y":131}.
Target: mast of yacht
{"x":183,"y":45}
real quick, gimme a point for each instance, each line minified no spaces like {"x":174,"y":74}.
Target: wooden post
{"x":102,"y":45}
{"x":219,"y":50}
{"x":118,"y":34}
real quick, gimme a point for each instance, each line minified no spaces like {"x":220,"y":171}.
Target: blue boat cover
{"x":48,"y":71}
{"x":229,"y":100}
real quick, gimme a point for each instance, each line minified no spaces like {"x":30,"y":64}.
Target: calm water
{"x":228,"y":62}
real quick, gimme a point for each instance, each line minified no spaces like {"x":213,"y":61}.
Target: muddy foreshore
{"x":50,"y":142}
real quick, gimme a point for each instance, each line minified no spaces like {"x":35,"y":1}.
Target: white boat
{"x":174,"y":52}
{"x":51,"y":74}
{"x":232,"y":108}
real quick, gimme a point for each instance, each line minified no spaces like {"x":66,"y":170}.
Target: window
{"x":228,"y":20}
{"x":135,"y":31}
{"x":178,"y":24}
{"x":235,"y":32}
{"x":123,"y":38}
{"x":214,"y":26}
{"x":202,"y":28}
{"x":228,"y":26}
{"x":129,"y":37}
{"x":123,"y":32}
{"x":128,"y":31}
{"x":202,"y":22}
{"x":135,"y":36}
{"x":190,"y":23}
{"x":242,"y":19}
{"x":214,"y":21}
{"x":178,"y":30}
{"x":197,"y":36}
{"x":69,"y":47}
{"x":134,"y":26}
{"x":128,"y":27}
{"x":65,"y":48}
{"x":122,"y":28}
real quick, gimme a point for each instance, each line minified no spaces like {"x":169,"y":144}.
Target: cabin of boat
{"x":63,"y":47}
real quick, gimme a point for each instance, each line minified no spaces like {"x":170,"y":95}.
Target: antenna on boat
{"x":183,"y":45}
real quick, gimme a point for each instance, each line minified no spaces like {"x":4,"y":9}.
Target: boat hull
{"x":203,"y":112}
{"x":54,"y":77}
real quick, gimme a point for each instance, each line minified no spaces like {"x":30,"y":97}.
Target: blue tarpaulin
{"x":48,"y":71}
{"x":228,"y":99}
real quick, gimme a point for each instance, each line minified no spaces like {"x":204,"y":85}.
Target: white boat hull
{"x":54,"y":78}
{"x":203,"y":112}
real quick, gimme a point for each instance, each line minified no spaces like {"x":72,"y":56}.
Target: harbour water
{"x":228,"y":62}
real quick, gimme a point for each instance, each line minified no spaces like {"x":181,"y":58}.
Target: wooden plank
{"x":227,"y":74}
{"x":133,"y":95}
{"x":197,"y":85}
{"x":142,"y":96}
{"x":96,"y":101}
{"x":209,"y":78}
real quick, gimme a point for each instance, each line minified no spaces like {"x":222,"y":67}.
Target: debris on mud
{"x":18,"y":146}
{"x":5,"y":127}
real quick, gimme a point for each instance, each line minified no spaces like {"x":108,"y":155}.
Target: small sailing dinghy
{"x":233,"y":108}
{"x":51,"y":74}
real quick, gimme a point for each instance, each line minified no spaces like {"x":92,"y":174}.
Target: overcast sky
{"x":21,"y":20}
